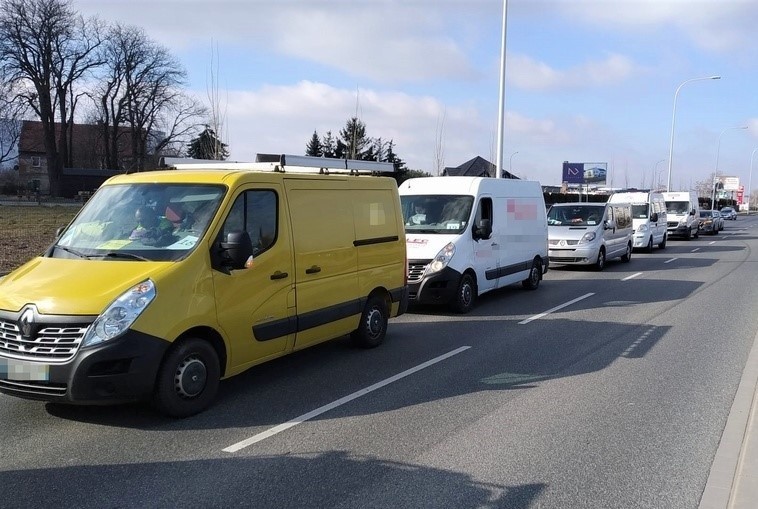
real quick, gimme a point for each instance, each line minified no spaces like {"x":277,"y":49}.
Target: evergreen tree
{"x":329,"y":145}
{"x":314,"y":146}
{"x":207,"y":146}
{"x":353,"y":135}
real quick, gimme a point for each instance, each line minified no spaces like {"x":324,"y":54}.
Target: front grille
{"x":672,"y":224}
{"x":565,"y":259}
{"x":31,"y":389}
{"x":416,"y":270}
{"x":555,"y":242}
{"x":52,"y":343}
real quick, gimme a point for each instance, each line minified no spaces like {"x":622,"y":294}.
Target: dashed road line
{"x":627,"y":278}
{"x":556,"y":308}
{"x":671,"y":260}
{"x":314,"y":413}
{"x":696,"y":249}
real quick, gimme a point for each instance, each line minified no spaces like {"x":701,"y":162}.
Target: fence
{"x":28,"y":226}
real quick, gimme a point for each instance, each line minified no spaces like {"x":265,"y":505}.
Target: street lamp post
{"x":501,"y":106}
{"x":716,"y":172}
{"x":510,"y":163}
{"x":750,"y":180}
{"x":673,"y":122}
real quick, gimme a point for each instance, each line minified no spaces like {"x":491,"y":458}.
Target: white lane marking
{"x":627,"y":278}
{"x":696,"y":249}
{"x":310,"y":415}
{"x":556,"y":308}
{"x":671,"y":260}
{"x":711,"y":242}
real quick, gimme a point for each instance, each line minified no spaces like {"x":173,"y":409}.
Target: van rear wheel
{"x":465,"y":295}
{"x":626,"y":257}
{"x":535,"y":275}
{"x":188,"y":379}
{"x":373,"y":325}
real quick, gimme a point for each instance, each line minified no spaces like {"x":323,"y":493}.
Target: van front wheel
{"x":466,"y":295}
{"x":600,"y":263}
{"x":373,"y":325}
{"x":188,"y":379}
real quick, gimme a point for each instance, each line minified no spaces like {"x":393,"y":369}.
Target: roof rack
{"x":283,"y":163}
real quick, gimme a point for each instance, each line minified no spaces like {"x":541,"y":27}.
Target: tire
{"x":373,"y":325}
{"x":600,"y":263}
{"x":465,"y":296}
{"x":188,"y":379}
{"x":662,"y":245}
{"x":627,"y":257}
{"x":649,"y":248}
{"x":688,"y":235}
{"x":696,"y":234}
{"x":535,"y":275}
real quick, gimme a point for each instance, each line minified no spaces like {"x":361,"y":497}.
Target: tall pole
{"x":501,"y":108}
{"x":673,"y":122}
{"x":716,"y":172}
{"x":750,"y":180}
{"x":510,"y":163}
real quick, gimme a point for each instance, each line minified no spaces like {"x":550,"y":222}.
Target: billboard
{"x":730,"y":183}
{"x":585,"y":173}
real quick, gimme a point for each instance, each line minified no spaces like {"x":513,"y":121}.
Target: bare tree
{"x":12,"y":111}
{"x":140,"y":99}
{"x":45,"y":48}
{"x":217,"y":113}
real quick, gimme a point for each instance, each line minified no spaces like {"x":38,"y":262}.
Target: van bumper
{"x":439,"y":288}
{"x":117,"y":371}
{"x":582,"y":255}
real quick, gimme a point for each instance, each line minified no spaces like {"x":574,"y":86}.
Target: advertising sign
{"x":730,"y":183}
{"x":585,"y":173}
{"x":740,"y":195}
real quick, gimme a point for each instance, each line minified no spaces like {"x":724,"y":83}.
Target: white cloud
{"x":283,"y":118}
{"x":530,"y":74}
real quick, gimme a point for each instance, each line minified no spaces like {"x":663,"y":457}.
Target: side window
{"x":255,"y":212}
{"x":483,"y":211}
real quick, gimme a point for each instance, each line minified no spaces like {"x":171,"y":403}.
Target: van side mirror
{"x":610,"y":224}
{"x":60,"y":230}
{"x":483,"y":230}
{"x":692,"y":212}
{"x":235,"y":250}
{"x":654,"y":217}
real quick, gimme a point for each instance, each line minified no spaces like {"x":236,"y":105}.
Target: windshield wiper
{"x":126,"y":256}
{"x":72,"y":251}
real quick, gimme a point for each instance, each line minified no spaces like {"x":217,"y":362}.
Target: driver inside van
{"x":420,"y":216}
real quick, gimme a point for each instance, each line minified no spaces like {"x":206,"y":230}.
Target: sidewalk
{"x":733,"y":481}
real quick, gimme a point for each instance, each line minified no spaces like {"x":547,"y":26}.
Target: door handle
{"x":313,"y":270}
{"x":279,"y":275}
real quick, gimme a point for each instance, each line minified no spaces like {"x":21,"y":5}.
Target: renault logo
{"x":26,"y":322}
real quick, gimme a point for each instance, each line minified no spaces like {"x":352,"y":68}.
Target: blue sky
{"x":586,"y":81}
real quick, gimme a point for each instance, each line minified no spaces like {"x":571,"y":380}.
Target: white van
{"x":648,"y":217}
{"x":589,"y":233}
{"x":468,"y":235}
{"x":683,"y":213}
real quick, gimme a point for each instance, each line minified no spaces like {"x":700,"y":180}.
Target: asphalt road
{"x":602,"y":389}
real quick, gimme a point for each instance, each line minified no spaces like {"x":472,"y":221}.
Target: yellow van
{"x":168,"y":281}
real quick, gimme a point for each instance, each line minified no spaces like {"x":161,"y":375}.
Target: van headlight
{"x":587,"y":238}
{"x":442,"y":259}
{"x":121,"y":314}
{"x":642,"y":228}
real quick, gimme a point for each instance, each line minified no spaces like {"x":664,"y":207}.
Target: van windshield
{"x":678,"y":207}
{"x":156,"y":222}
{"x":437,"y":214}
{"x":575,"y":215}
